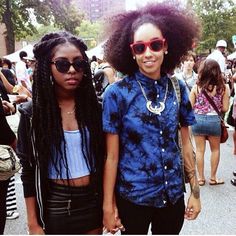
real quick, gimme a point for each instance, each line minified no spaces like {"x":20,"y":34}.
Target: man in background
{"x":22,"y":75}
{"x":218,"y":54}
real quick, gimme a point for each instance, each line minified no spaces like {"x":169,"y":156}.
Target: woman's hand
{"x":111,"y":221}
{"x":35,"y":229}
{"x":193,"y":208}
{"x":8,"y":107}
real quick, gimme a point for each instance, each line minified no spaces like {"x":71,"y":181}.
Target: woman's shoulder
{"x":121,"y":87}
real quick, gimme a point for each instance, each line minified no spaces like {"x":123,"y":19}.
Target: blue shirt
{"x":149,"y":169}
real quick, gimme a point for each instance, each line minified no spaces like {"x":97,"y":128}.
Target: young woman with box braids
{"x":61,"y":141}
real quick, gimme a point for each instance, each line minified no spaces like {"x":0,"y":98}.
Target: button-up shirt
{"x":149,"y":169}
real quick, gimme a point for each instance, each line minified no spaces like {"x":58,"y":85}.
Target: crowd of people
{"x":99,"y":151}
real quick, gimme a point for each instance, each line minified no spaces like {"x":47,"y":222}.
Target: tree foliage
{"x":21,"y":16}
{"x":90,"y":32}
{"x":218,"y":21}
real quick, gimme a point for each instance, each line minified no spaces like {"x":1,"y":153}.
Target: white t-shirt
{"x":22,"y":75}
{"x":218,"y":56}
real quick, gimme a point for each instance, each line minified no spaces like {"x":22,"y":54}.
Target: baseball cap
{"x":221,"y":43}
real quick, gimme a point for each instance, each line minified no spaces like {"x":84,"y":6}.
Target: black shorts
{"x":72,"y":210}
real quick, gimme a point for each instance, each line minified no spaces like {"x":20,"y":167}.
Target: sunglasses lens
{"x":62,"y":65}
{"x":79,"y":64}
{"x":139,"y":48}
{"x":156,"y":45}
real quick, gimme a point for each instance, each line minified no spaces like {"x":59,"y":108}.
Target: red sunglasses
{"x":155,"y":45}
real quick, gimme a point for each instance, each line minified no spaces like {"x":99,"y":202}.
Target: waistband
{"x":66,"y":190}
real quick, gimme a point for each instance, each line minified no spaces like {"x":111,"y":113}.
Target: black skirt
{"x":72,"y":210}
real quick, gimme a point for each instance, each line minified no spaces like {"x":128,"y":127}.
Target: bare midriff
{"x":82,"y":181}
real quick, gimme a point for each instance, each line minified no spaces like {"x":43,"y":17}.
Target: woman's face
{"x":188,"y":63}
{"x":149,"y":61}
{"x":68,"y":80}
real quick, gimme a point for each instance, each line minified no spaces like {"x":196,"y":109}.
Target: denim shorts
{"x":208,"y":125}
{"x":72,"y":210}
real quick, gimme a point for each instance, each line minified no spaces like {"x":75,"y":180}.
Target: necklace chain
{"x":70,"y":112}
{"x":156,"y":110}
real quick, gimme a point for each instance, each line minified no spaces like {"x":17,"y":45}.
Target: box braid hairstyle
{"x":47,"y":121}
{"x":179,"y":27}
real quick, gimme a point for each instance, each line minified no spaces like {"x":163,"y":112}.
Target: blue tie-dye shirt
{"x":149,"y":169}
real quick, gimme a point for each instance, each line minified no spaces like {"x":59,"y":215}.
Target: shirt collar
{"x":148,"y":81}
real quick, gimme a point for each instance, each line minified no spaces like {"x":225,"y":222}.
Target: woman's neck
{"x":187,"y":73}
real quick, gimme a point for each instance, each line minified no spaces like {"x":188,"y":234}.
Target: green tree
{"x":218,"y":20}
{"x":20,"y":17}
{"x":90,"y":32}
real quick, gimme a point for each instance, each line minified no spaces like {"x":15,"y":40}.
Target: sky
{"x":131,"y":4}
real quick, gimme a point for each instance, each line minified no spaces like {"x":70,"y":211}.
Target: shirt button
{"x":166,"y":182}
{"x":162,"y":149}
{"x":164,"y":201}
{"x":161,"y":132}
{"x":155,"y":82}
{"x":174,"y":103}
{"x":165,"y":167}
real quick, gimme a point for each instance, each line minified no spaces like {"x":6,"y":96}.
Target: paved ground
{"x":218,"y":214}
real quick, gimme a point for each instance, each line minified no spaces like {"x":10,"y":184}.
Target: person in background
{"x":233,"y":181}
{"x":60,"y":141}
{"x":7,"y":137}
{"x":11,"y":206}
{"x":187,"y":73}
{"x":210,"y":80}
{"x":22,"y":75}
{"x":30,"y":62}
{"x":93,"y":64}
{"x":7,"y":64}
{"x":143,"y":174}
{"x":106,"y":68}
{"x":218,"y":54}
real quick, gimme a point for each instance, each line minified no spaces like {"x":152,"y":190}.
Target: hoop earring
{"x":51,"y":80}
{"x":166,"y":52}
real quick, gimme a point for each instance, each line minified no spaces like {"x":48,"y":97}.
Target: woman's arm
{"x":31,"y":209}
{"x":192,"y":95}
{"x":111,"y":219}
{"x":194,"y":204}
{"x":225,"y":99}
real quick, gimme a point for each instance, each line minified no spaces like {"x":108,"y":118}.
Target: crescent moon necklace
{"x":155,"y":110}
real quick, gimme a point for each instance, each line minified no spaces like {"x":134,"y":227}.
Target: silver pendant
{"x":156,"y":110}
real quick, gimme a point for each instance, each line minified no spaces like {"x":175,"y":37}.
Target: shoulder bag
{"x":9,"y":162}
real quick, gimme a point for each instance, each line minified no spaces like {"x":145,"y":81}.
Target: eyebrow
{"x":148,"y":40}
{"x":66,"y":58}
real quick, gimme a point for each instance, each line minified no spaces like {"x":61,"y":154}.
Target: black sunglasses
{"x":63,"y":65}
{"x":155,"y":45}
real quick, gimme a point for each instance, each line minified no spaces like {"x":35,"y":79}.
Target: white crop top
{"x":75,"y":159}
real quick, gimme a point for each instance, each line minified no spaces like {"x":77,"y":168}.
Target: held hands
{"x":193,"y":208}
{"x":111,"y":221}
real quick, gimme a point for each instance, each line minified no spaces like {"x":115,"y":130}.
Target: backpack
{"x":100,"y":82}
{"x":175,"y":84}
